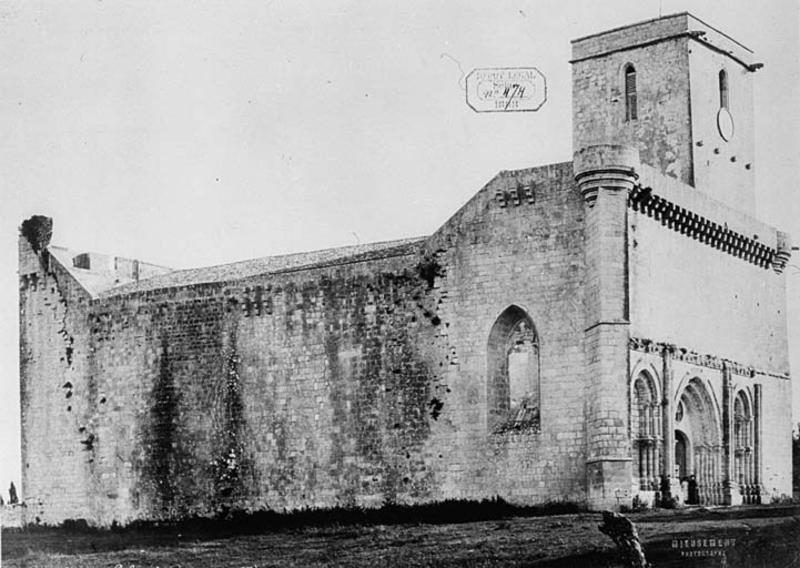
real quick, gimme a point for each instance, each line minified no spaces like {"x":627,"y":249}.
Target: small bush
{"x":784,"y":499}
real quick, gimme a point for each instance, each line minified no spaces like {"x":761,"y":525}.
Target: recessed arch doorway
{"x":698,"y":444}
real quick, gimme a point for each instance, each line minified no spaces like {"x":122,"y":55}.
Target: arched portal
{"x":700,"y":436}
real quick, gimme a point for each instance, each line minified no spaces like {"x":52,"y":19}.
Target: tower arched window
{"x":513,"y":366}
{"x":723,"y":89}
{"x":631,"y":111}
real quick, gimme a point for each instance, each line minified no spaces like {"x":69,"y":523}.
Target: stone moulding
{"x":702,"y":360}
{"x":609,"y":166}
{"x":719,"y":236}
{"x":611,"y":177}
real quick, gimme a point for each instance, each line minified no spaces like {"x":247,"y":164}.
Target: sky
{"x":197,"y":133}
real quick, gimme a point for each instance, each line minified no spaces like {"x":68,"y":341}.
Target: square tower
{"x":678,"y":90}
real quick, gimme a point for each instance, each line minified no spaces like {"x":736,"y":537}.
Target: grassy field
{"x":747,"y":537}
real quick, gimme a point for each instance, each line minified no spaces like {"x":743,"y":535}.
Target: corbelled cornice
{"x":709,"y":232}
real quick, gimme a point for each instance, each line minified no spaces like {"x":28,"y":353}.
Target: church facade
{"x":593,"y":331}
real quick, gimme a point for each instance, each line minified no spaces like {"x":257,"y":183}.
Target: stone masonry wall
{"x":311,"y":389}
{"x":499,"y":251}
{"x":54,"y":348}
{"x":662,"y":130}
{"x":357,"y":383}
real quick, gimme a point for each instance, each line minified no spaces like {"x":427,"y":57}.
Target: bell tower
{"x":680,"y":92}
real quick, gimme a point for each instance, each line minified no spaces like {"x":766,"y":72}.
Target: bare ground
{"x":748,"y":537}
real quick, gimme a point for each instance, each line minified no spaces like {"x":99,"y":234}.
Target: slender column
{"x":757,"y":436}
{"x":718,"y":473}
{"x":722,"y":489}
{"x":640,"y":449}
{"x":712,"y":478}
{"x":705,"y":473}
{"x":739,"y":478}
{"x":700,"y":474}
{"x":749,"y":478}
{"x":668,"y":424}
{"x":729,"y":465}
{"x":654,"y":481}
{"x":710,"y":473}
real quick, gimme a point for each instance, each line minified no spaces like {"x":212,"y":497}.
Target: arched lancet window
{"x":631,"y":112}
{"x":513,"y":366}
{"x":723,"y":89}
{"x":646,"y":429}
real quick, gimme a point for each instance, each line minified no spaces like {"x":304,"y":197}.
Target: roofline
{"x":720,"y":32}
{"x":392,"y":242}
{"x":619,"y":28}
{"x":73,"y":253}
{"x":689,"y":14}
{"x":390,"y":252}
{"x":69,"y":270}
{"x":693,"y":35}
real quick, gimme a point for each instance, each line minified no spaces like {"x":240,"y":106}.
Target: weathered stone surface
{"x":383,"y":373}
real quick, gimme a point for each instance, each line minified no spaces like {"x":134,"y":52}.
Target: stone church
{"x":591,"y":331}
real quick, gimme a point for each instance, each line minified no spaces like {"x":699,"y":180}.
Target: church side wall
{"x":498,"y":253}
{"x":359,"y":384}
{"x":56,"y":476}
{"x":317,"y":388}
{"x":356,"y":384}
